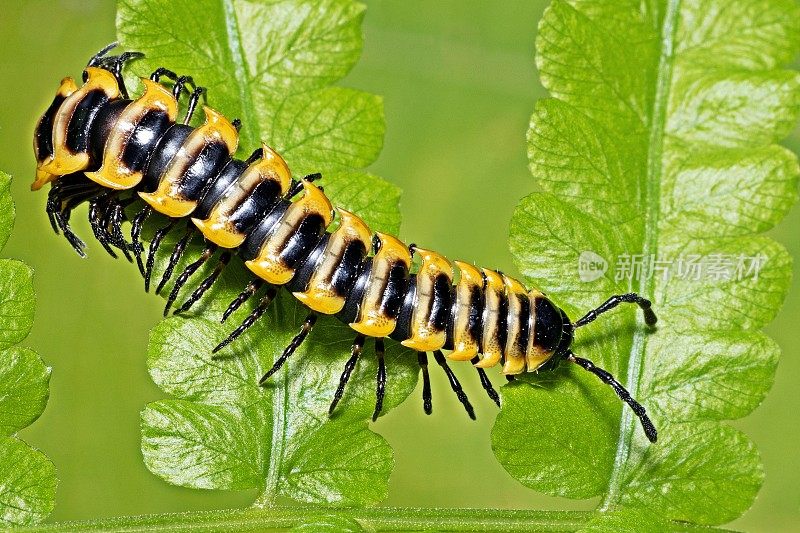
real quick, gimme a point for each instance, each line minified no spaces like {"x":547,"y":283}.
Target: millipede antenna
{"x":630,"y":298}
{"x":95,"y":60}
{"x":622,"y":392}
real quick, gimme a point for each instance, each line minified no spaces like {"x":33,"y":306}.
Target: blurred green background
{"x":459,"y":84}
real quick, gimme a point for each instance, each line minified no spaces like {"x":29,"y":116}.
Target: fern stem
{"x":375,"y":519}
{"x":241,"y":70}
{"x":652,"y":195}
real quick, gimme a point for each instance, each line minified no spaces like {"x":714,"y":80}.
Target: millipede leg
{"x":162,"y":71}
{"x":355,"y":353}
{"x":116,"y":69}
{"x":186,"y":274}
{"x":485,"y":383}
{"x":180,"y":83}
{"x":427,"y":397}
{"x":454,"y":383}
{"x":60,"y":203}
{"x":297,"y":186}
{"x":105,"y":215}
{"x":56,"y":198}
{"x":96,"y":215}
{"x":205,"y":284}
{"x":151,"y":253}
{"x":53,"y":207}
{"x":77,"y":244}
{"x":380,"y":379}
{"x":622,"y":392}
{"x":136,"y":234}
{"x":245,"y":295}
{"x":249,"y":320}
{"x":176,"y":255}
{"x":95,"y":60}
{"x":116,"y":215}
{"x":298,"y":339}
{"x":255,"y":156}
{"x":193,"y":99}
{"x":631,"y":297}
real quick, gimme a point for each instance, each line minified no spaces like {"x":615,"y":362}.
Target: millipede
{"x":97,"y":145}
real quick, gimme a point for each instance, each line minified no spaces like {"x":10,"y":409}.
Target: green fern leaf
{"x":658,"y":162}
{"x":27,"y":476}
{"x":271,"y":65}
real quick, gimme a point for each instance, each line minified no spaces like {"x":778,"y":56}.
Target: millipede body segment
{"x":96,"y":145}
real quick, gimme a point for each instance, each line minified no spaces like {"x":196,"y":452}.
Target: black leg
{"x":380,"y":379}
{"x":176,"y":255}
{"x":624,"y":395}
{"x":95,"y":60}
{"x":94,"y":215}
{"x":117,"y":66}
{"x":193,"y":99}
{"x":136,"y":234}
{"x":249,"y":320}
{"x":454,"y":384}
{"x":205,"y":284}
{"x":187,"y":273}
{"x":116,"y":214}
{"x":245,"y":295}
{"x":631,"y":297}
{"x":97,"y":211}
{"x":427,"y":397}
{"x":155,"y":243}
{"x":255,"y":156}
{"x":297,"y":186}
{"x":53,"y":208}
{"x":355,"y":353}
{"x":162,"y":71}
{"x":104,"y":222}
{"x":61,"y":200}
{"x":180,"y":83}
{"x":485,"y":383}
{"x":77,"y":244}
{"x":298,"y":339}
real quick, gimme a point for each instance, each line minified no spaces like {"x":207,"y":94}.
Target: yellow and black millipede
{"x":96,"y":145}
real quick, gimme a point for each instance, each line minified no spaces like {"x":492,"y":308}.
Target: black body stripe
{"x":207,"y":164}
{"x":395,"y":291}
{"x":256,"y":238}
{"x":144,"y":138}
{"x":306,"y":235}
{"x":80,"y":124}
{"x":402,"y":330}
{"x":345,"y":275}
{"x":165,"y":149}
{"x":442,"y":302}
{"x":302,"y":276}
{"x":255,"y":206}
{"x":524,"y":321}
{"x":352,"y":304}
{"x":44,"y":131}
{"x":215,"y":187}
